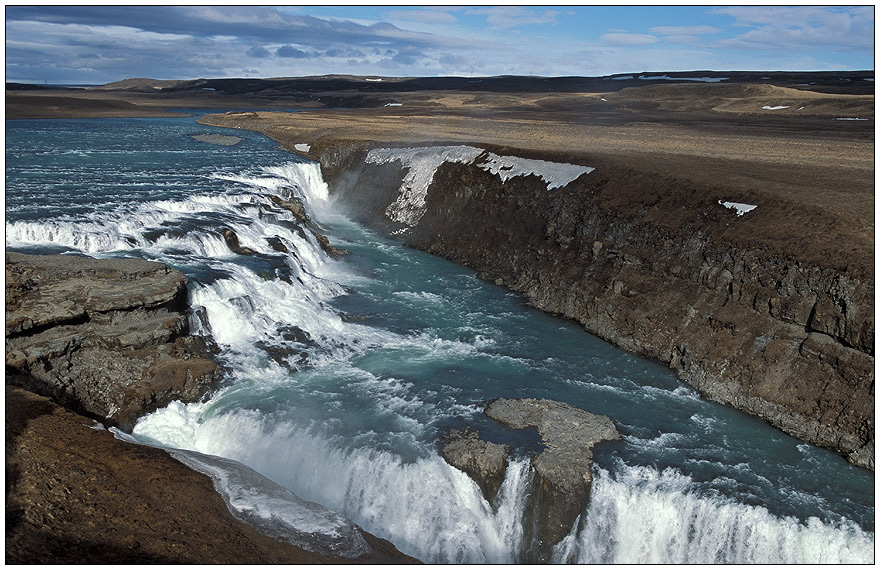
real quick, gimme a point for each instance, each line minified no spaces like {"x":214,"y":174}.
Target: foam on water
{"x":640,"y":515}
{"x":272,"y":509}
{"x":275,"y":511}
{"x":426,"y":507}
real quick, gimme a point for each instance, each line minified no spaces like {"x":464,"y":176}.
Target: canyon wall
{"x":657,"y":265}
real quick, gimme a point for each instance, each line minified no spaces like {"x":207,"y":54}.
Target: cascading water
{"x":345,"y":373}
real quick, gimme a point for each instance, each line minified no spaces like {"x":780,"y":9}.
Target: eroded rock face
{"x":656,"y":266}
{"x":562,"y":470}
{"x":105,"y":337}
{"x":484,"y":461}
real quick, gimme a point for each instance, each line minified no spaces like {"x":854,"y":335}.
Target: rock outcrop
{"x":562,"y":473}
{"x":484,"y":461}
{"x":104,"y":337}
{"x":659,"y":266}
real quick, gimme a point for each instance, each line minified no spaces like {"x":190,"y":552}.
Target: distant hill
{"x":141,"y":84}
{"x":840,"y":82}
{"x":837,"y":82}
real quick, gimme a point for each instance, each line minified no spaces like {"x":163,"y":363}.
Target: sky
{"x":99,"y":44}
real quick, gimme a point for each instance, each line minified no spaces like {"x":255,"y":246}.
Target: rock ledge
{"x":103,"y":337}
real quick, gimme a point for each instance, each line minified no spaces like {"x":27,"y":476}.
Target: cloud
{"x":794,"y":16}
{"x":290,"y":51}
{"x":508,"y":17}
{"x":424,"y":16}
{"x":783,"y":28}
{"x":95,"y":44}
{"x":681,"y":39}
{"x":683,"y":30}
{"x":101,"y":44}
{"x":344,"y":52}
{"x":625,"y":39}
{"x":258,"y":52}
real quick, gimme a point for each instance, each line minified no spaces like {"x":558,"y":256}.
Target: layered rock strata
{"x":560,"y":488}
{"x":652,"y":263}
{"x":104,"y":337}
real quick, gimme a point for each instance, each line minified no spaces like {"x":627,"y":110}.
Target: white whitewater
{"x":645,"y":516}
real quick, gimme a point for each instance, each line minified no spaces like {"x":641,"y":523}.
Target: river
{"x":344,"y":373}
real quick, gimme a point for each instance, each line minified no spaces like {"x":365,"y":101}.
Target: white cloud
{"x":783,"y":28}
{"x":684,"y":30}
{"x":507,"y":17}
{"x":624,"y":39}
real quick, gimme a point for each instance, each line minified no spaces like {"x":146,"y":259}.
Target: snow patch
{"x":703,"y":79}
{"x":555,"y":174}
{"x":423,"y":162}
{"x":622,"y":78}
{"x":393,"y":104}
{"x":302,"y":147}
{"x":738,"y":206}
{"x":776,"y":107}
{"x":378,"y":79}
{"x":850,"y":119}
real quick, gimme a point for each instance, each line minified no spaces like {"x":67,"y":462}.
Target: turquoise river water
{"x":345,"y":373}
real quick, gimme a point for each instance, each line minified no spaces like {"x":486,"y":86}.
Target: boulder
{"x":231,"y":239}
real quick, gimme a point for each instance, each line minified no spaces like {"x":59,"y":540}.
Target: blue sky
{"x":99,"y":44}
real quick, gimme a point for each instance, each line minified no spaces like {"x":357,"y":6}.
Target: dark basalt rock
{"x":561,"y":487}
{"x":330,"y":250}
{"x":231,"y":239}
{"x":562,"y":471}
{"x":653,"y":264}
{"x":485,"y":462}
{"x":104,"y":337}
{"x":295,"y":207}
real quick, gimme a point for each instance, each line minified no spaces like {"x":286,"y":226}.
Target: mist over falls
{"x":345,"y":372}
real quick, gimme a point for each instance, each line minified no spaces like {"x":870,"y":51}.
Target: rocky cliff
{"x":107,"y":338}
{"x":673,"y":270}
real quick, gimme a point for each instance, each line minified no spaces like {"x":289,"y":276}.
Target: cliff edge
{"x":104,"y":337}
{"x":705,"y":229}
{"x":787,"y":339}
